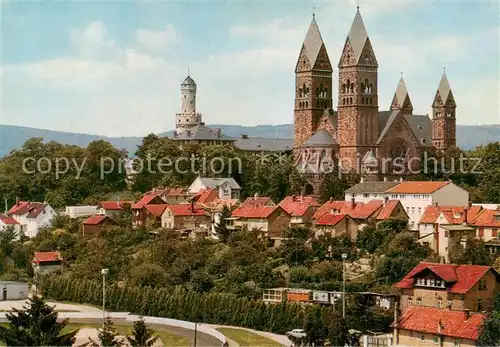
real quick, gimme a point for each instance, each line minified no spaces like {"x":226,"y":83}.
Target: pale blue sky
{"x":114,"y":68}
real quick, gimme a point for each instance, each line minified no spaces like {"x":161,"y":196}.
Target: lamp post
{"x":195,"y":331}
{"x":344,"y":257}
{"x":104,"y":272}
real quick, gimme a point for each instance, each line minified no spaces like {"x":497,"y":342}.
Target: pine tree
{"x":108,"y":336}
{"x":142,"y":335}
{"x":338,"y":331}
{"x":35,"y":325}
{"x":221,"y":227}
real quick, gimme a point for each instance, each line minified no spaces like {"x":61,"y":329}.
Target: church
{"x":358,"y":136}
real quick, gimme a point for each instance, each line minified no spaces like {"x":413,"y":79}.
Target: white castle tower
{"x":187,"y":118}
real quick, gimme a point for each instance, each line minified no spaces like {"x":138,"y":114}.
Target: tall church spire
{"x":444,"y":116}
{"x":401,"y":100}
{"x":444,"y":88}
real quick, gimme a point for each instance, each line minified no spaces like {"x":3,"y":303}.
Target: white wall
{"x":451,"y":195}
{"x":15,"y":290}
{"x":30,"y":226}
{"x":81,"y":211}
{"x":196,"y":186}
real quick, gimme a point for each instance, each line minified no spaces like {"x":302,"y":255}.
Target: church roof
{"x":320,"y":138}
{"x":189,"y":80}
{"x":401,"y":92}
{"x":358,"y":35}
{"x":313,"y":42}
{"x":421,"y":125}
{"x":444,"y":88}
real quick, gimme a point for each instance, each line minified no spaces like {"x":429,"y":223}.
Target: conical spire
{"x":313,"y":42}
{"x":357,"y":35}
{"x":401,"y":100}
{"x":444,"y":88}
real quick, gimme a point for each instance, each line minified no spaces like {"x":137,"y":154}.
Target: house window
{"x":479,"y":305}
{"x":366,"y":195}
{"x":394,"y":196}
{"x":402,"y":196}
{"x":481,"y":232}
{"x":448,"y":304}
{"x":419,"y":302}
{"x":410,"y":301}
{"x":446,"y":234}
{"x":494,"y":232}
{"x":482,"y":284}
{"x":456,"y":343}
{"x":44,"y":212}
{"x":439,"y":302}
{"x":422,"y":337}
{"x":420,"y":210}
{"x":435,"y":339}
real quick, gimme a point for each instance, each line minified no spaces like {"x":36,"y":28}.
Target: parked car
{"x":296,"y":333}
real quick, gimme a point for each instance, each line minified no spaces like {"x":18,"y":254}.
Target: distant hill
{"x":12,"y":137}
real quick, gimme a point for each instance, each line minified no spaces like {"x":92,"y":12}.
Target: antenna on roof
{"x":357,"y":6}
{"x":444,"y":69}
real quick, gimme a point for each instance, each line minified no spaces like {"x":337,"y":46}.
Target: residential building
{"x":45,"y":263}
{"x":31,"y":216}
{"x":336,"y":225}
{"x":300,"y":208}
{"x":139,"y":211}
{"x":227,"y":187}
{"x":442,"y":228}
{"x":455,"y":287}
{"x":81,"y":211}
{"x":206,"y":196}
{"x":417,"y":195}
{"x":427,"y":326}
{"x":270,"y":220}
{"x":487,"y":224}
{"x":10,"y":290}
{"x":214,"y":209}
{"x":9,"y":222}
{"x":114,"y":209}
{"x":185,"y":216}
{"x":153,"y":215}
{"x":367,"y":191}
{"x":96,"y":223}
{"x":173,"y":196}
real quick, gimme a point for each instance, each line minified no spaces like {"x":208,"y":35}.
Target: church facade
{"x":358,"y":136}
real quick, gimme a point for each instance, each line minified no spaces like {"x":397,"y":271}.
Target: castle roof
{"x":320,"y":138}
{"x":357,"y":35}
{"x":189,"y":80}
{"x":313,"y":42}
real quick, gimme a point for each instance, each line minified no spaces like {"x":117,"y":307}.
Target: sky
{"x":115,"y":67}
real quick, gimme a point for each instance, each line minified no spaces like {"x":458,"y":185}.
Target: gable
{"x":367,"y":56}
{"x":323,"y":61}
{"x":347,"y":58}
{"x":398,"y":127}
{"x":303,"y":63}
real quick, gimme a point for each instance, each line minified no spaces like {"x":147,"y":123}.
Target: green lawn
{"x":247,"y":339}
{"x":167,"y":338}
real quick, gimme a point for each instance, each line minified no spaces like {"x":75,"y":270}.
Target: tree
{"x":142,"y":335}
{"x":36,"y":325}
{"x":338,"y":332}
{"x":490,"y":330}
{"x":475,"y":252}
{"x":108,"y":336}
{"x":221,"y":227}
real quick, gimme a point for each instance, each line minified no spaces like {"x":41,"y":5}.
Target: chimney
{"x":353,"y":203}
{"x":466,"y":314}
{"x":470,"y":204}
{"x":255,"y":195}
{"x":385,"y":179}
{"x":436,"y":204}
{"x":331,"y":198}
{"x":362,"y":180}
{"x":386,"y":199}
{"x":440,"y":327}
{"x":401,"y":179}
{"x":466,"y":212}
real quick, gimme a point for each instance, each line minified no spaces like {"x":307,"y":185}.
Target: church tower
{"x":401,"y":100}
{"x":443,"y":116}
{"x":358,"y":121}
{"x":313,"y":85}
{"x":187,"y":118}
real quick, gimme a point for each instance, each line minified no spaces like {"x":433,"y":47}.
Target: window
{"x":482,"y":284}
{"x":422,"y":337}
{"x":479,"y":305}
{"x":456,"y":343}
{"x":419,"y":302}
{"x":439,"y":303}
{"x":394,"y":196}
{"x":420,"y":210}
{"x":494,"y":232}
{"x":446,"y":233}
{"x":366,"y":195}
{"x":481,"y":232}
{"x":402,"y":196}
{"x":410,"y":301}
{"x":416,"y":196}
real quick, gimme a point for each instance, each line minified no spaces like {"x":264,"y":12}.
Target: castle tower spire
{"x":444,"y":116}
{"x":401,"y":100}
{"x":313,"y":84}
{"x":358,"y":94}
{"x":187,"y":118}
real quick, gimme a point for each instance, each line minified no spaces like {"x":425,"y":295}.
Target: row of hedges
{"x":214,"y":308}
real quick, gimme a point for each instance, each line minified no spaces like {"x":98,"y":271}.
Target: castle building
{"x":358,"y":136}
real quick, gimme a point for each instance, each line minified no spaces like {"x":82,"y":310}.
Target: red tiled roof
{"x":298,"y":205}
{"x":453,"y":323}
{"x":330,"y":219}
{"x":453,"y":214}
{"x":96,"y":219}
{"x":487,"y":218}
{"x":418,"y":187}
{"x":44,"y":257}
{"x":8,"y":220}
{"x":255,"y":211}
{"x":205,"y":196}
{"x":186,"y":210}
{"x":388,"y":209}
{"x":156,"y":209}
{"x":146,"y":199}
{"x":114,"y":205}
{"x":175,"y":192}
{"x":360,"y":210}
{"x":32,"y":208}
{"x":258,"y":201}
{"x":461,"y":277}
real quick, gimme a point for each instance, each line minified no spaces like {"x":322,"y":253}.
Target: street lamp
{"x":104,"y":272}
{"x":344,"y":257}
{"x":195,"y":332}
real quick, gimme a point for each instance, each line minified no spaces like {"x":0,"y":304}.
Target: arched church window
{"x":350,"y":101}
{"x":449,"y":115}
{"x":399,"y":149}
{"x":307,"y":104}
{"x":326,"y":92}
{"x":370,"y":89}
{"x":348,"y":85}
{"x":371,"y":101}
{"x":352,"y":87}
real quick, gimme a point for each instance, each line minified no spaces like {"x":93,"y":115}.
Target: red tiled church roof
{"x":436,"y":321}
{"x":418,"y":187}
{"x":461,"y":278}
